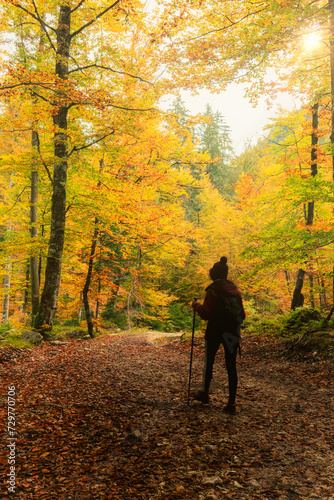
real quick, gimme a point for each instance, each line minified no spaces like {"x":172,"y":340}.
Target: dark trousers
{"x":230,"y":348}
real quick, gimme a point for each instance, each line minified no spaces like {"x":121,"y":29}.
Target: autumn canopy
{"x":112,"y":208}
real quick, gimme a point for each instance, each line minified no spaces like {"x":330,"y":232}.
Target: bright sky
{"x":245,"y":121}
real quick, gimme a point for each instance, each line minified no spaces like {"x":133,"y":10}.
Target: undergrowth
{"x":291,"y":324}
{"x":303,"y":332}
{"x":304,"y":329}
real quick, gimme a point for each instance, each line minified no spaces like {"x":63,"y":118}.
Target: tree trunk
{"x":311,"y":290}
{"x":34,"y":259}
{"x":314,"y":165}
{"x":80,"y":312}
{"x":26,"y":288}
{"x":298,"y":298}
{"x":331,"y":44}
{"x":287,"y":279}
{"x":97,"y":307}
{"x":6,"y":285}
{"x":90,"y":271}
{"x":322,"y":293}
{"x":88,"y":281}
{"x":7,"y":277}
{"x":48,"y":304}
{"x":310,"y":205}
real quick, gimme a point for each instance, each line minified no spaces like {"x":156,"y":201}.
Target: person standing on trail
{"x":224,"y":311}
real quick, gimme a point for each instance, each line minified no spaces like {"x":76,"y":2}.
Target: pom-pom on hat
{"x":219,"y":269}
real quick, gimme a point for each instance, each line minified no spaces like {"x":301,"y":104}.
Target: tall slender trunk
{"x":8,"y":272}
{"x":322,"y":293}
{"x":314,"y":170}
{"x":298,"y":298}
{"x":85,"y":290}
{"x":48,"y":303}
{"x":26,"y":288}
{"x":314,"y":164}
{"x":287,"y":277}
{"x":97,"y":306}
{"x":6,"y":285}
{"x":80,"y":312}
{"x":331,"y":45}
{"x":34,"y":259}
{"x":311,"y":289}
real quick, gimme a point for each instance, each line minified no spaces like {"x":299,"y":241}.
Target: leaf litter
{"x":109,"y":419}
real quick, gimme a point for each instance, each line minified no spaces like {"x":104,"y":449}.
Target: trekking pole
{"x":191,"y":352}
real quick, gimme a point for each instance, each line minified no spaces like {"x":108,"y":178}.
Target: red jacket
{"x":213,"y":311}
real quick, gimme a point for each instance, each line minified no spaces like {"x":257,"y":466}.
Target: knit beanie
{"x":219,"y":269}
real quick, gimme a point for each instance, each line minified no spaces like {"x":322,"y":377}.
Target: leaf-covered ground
{"x":108,"y":419}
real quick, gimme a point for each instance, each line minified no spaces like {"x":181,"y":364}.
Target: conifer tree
{"x":214,"y":137}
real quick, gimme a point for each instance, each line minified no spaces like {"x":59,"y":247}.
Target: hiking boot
{"x":202,"y":396}
{"x":230,"y":409}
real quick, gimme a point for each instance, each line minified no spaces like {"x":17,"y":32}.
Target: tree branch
{"x":75,"y":149}
{"x":40,"y":96}
{"x":98,"y":66}
{"x":70,"y":204}
{"x":44,"y":85}
{"x":93,"y":20}
{"x":88,"y":103}
{"x":223,"y":28}
{"x":35,"y":17}
{"x":41,"y":22}
{"x":17,"y":199}
{"x":42,"y":160}
{"x":253,"y":67}
{"x":282,"y":144}
{"x":17,"y":130}
{"x":77,"y":7}
{"x":7,"y":87}
{"x":129,"y":109}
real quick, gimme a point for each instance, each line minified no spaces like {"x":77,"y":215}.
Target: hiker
{"x":223,"y":309}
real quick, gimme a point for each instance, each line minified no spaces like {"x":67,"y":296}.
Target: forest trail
{"x":108,"y":419}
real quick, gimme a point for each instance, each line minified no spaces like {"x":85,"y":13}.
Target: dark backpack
{"x":233,"y":306}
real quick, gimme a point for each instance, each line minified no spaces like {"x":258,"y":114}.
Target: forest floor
{"x":108,"y":419}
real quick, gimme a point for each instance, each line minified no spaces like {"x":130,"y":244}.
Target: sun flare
{"x":312,"y":41}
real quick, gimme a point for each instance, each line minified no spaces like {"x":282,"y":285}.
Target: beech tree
{"x":137,"y":200}
{"x":241,"y":41}
{"x":83,"y":87}
{"x":66,"y":89}
{"x":275,"y":202}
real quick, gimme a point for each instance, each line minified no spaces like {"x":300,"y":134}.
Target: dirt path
{"x":108,"y":419}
